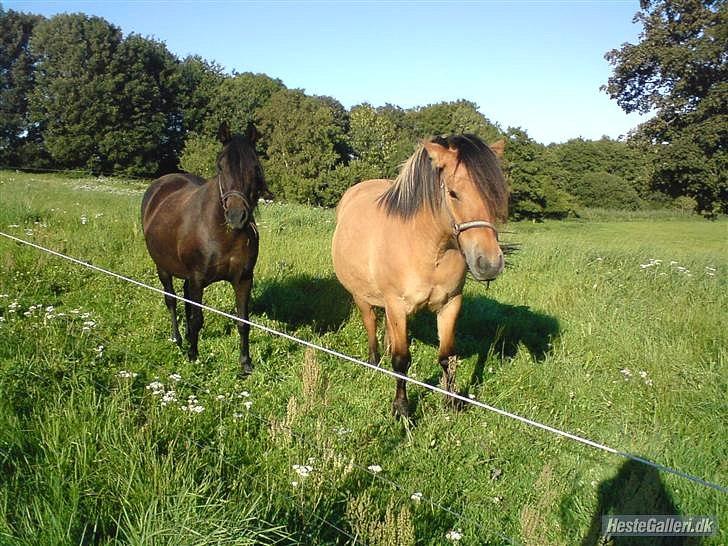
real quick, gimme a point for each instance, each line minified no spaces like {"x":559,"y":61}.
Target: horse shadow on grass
{"x":302,"y":300}
{"x":489,"y":329}
{"x":636,"y":489}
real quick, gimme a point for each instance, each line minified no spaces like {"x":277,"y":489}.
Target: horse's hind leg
{"x":446,"y":319}
{"x":369,"y":318}
{"x":242,"y":298}
{"x":397,"y":330}
{"x":171,"y":303}
{"x":193,"y":314}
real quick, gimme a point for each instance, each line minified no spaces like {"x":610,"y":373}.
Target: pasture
{"x":614,"y":329}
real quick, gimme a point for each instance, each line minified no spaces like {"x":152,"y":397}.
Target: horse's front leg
{"x":446,"y":318}
{"x":193,"y":314}
{"x":369,"y":317}
{"x":242,"y":298}
{"x":171,"y":301}
{"x":399,"y":344}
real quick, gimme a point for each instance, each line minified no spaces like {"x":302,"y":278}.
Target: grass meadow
{"x":614,"y":328}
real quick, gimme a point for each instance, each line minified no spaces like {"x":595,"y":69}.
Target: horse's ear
{"x":252,"y":133}
{"x":223,"y":133}
{"x":440,"y":155}
{"x":498,"y":148}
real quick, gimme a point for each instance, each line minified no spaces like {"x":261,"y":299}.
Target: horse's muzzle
{"x":484,"y":268}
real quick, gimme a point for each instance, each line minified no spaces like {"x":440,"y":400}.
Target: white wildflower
{"x":302,"y":470}
{"x":454,"y":535}
{"x":127,"y":375}
{"x":175,"y":377}
{"x":374,"y":468}
{"x":248,"y":404}
{"x":156,"y":387}
{"x":416,"y":497}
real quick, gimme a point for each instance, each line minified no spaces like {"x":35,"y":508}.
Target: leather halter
{"x":457,"y":229}
{"x":230,"y":193}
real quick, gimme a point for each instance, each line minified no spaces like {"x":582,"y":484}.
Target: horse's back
{"x":164,"y":187}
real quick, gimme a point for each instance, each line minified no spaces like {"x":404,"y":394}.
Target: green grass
{"x":580,"y":332}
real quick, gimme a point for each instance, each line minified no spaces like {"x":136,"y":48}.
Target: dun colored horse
{"x":203,"y":231}
{"x":407,"y":244}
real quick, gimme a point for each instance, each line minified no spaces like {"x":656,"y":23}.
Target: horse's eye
{"x":453,"y":194}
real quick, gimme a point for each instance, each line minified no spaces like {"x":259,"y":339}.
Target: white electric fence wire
{"x":385,"y":371}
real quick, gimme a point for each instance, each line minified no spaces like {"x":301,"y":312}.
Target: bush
{"x":199,"y":155}
{"x":684,"y":204}
{"x":604,"y":190}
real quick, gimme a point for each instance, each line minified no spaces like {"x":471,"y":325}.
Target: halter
{"x":457,"y":229}
{"x":229,"y":193}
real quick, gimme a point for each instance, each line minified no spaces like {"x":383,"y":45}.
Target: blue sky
{"x":532,"y":64}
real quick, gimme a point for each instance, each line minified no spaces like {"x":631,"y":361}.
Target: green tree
{"x":578,"y":157}
{"x":300,"y":137}
{"x":453,"y":117}
{"x":679,"y":71}
{"x":20,"y":142}
{"x":373,"y":139}
{"x":200,"y":81}
{"x":605,"y":190}
{"x":72,"y":96}
{"x":536,"y":191}
{"x":103,"y":102}
{"x":237,"y":100}
{"x":147,"y":136}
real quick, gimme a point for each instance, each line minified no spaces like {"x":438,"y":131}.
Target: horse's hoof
{"x":246,"y":368}
{"x":400,"y":409}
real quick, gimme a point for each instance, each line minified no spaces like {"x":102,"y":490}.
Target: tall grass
{"x":613,"y":329}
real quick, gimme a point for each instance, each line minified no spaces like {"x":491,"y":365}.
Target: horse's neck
{"x":435,"y":228}
{"x":211,"y":200}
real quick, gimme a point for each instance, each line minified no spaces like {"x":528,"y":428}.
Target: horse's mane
{"x":418,"y":182}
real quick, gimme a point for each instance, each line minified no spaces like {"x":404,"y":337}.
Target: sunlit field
{"x":610,"y":327}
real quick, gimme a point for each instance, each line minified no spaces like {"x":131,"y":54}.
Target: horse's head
{"x":475,"y":197}
{"x":239,"y":175}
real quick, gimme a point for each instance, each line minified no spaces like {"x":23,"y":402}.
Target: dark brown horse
{"x":203,"y":231}
{"x":407,"y":244}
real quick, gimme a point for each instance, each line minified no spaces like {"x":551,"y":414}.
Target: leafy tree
{"x":237,"y":100}
{"x":577,"y":157}
{"x":20,"y":142}
{"x":199,"y":154}
{"x":535,"y":183}
{"x":453,"y":117}
{"x":106,"y":103}
{"x":300,"y":136}
{"x":373,"y":139}
{"x":200,"y":81}
{"x":605,"y":190}
{"x":71,"y":99}
{"x":147,"y":137}
{"x":679,"y":70}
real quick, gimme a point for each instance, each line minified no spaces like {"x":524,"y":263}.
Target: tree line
{"x":76,"y":93}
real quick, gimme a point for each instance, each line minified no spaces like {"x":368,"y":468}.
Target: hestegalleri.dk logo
{"x":657,"y":526}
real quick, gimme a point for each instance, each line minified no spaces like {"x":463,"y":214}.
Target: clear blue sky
{"x":533,"y":64}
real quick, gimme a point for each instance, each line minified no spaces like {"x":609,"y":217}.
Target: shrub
{"x":604,"y":190}
{"x":199,"y":155}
